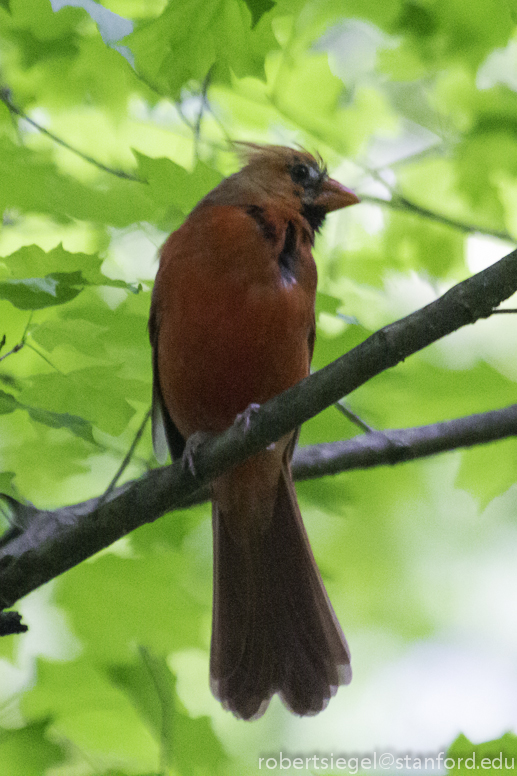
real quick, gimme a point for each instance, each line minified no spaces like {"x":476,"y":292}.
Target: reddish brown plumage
{"x":232,"y":322}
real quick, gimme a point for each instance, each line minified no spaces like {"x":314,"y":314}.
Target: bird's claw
{"x":192,"y":445}
{"x":243,"y":418}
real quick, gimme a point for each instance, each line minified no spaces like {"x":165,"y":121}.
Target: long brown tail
{"x":273,"y":629}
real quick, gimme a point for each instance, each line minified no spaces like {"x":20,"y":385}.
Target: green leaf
{"x":96,"y":715}
{"x":418,"y":393}
{"x":76,"y":425}
{"x":38,"y":17}
{"x":170,"y":534}
{"x":488,"y":471}
{"x":196,"y":747}
{"x":445,"y":34}
{"x":417,"y":20}
{"x":327,"y":303}
{"x":7,"y":403}
{"x":27,"y":751}
{"x":56,"y":270}
{"x":470,"y":32}
{"x":36,"y":293}
{"x":187,"y":744}
{"x":170,"y":184}
{"x":98,"y":395}
{"x":151,"y":688}
{"x":80,"y":334}
{"x":32,"y":184}
{"x":414,"y":243}
{"x":442,"y":186}
{"x":497,"y":756}
{"x":258,"y":8}
{"x":136,"y":612}
{"x":191,"y":37}
{"x":90,"y":328}
{"x":6,"y":483}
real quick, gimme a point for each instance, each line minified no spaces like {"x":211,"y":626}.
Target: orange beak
{"x":335,"y":196}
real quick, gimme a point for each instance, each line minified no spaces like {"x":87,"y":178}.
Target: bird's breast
{"x":231,"y":329}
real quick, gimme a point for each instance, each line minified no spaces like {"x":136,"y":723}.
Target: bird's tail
{"x":273,"y":629}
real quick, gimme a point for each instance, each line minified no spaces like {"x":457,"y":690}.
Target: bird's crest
{"x":252,"y":153}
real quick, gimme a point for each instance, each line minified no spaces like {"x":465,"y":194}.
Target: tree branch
{"x":379,"y":448}
{"x":54,"y":541}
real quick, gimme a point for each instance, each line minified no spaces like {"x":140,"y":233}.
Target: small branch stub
{"x":11,"y":623}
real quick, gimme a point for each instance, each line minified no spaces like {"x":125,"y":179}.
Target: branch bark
{"x":380,"y":448}
{"x":54,"y":541}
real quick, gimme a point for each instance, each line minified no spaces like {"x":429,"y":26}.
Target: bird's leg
{"x":195,"y":440}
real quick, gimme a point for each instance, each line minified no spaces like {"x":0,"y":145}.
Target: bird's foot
{"x":192,"y":445}
{"x":243,"y":419}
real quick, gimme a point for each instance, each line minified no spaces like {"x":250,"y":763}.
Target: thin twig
{"x":401,"y":203}
{"x":204,"y":102}
{"x":42,"y":355}
{"x":5,"y":98}
{"x":20,"y":344}
{"x":127,"y":457}
{"x":347,"y":412}
{"x":397,"y":202}
{"x":16,"y":349}
{"x":182,"y":116}
{"x":375,"y":172}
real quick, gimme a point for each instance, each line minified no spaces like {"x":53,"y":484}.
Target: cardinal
{"x":232,"y":324}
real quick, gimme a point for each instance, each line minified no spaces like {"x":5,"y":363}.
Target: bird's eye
{"x":300,"y":173}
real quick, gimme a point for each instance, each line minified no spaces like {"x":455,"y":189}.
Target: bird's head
{"x":296,"y":177}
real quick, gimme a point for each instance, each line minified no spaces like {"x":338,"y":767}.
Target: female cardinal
{"x":231,"y":324}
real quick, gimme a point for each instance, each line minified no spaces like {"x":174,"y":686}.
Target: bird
{"x":232,"y":324}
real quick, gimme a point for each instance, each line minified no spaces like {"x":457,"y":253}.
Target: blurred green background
{"x":402,"y":99}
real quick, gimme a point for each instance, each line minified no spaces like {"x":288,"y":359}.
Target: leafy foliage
{"x":413,"y":105}
{"x":499,"y":754}
{"x":28,"y":751}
